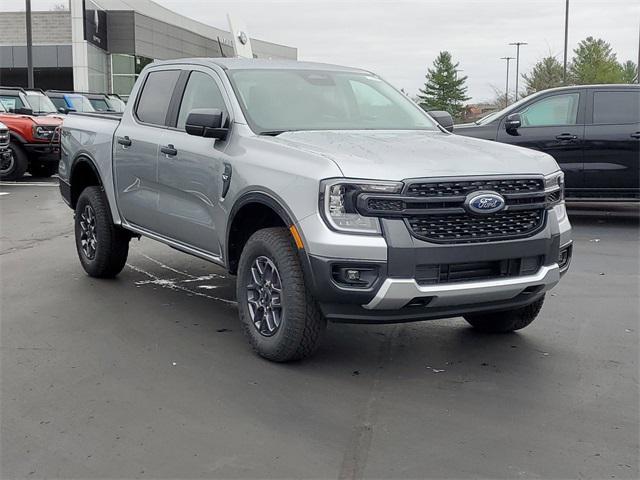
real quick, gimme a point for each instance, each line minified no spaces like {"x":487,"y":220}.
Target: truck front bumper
{"x":397,"y":293}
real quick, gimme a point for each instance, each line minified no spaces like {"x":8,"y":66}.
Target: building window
{"x":125,"y":70}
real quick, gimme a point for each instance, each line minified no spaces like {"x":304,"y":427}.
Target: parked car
{"x":33,"y":143}
{"x":593,"y":132}
{"x":326,"y":191}
{"x":86,"y":102}
{"x":14,"y":100}
{"x":70,"y":102}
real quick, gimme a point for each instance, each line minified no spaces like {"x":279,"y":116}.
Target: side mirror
{"x":443,"y":118}
{"x":66,"y":110}
{"x":207,"y":122}
{"x":513,"y":122}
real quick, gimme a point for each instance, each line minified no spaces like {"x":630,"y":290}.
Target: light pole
{"x":506,"y":89}
{"x":566,"y":41}
{"x":29,"y":46}
{"x":517,"y":44}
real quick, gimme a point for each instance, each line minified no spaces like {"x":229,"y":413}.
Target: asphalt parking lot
{"x":149,"y":376}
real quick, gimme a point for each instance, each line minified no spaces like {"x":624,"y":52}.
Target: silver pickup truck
{"x":326,"y":191}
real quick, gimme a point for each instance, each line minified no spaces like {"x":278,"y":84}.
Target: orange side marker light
{"x":296,"y":237}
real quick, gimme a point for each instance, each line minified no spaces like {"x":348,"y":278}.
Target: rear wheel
{"x":102,"y":246}
{"x":505,"y":322}
{"x":277,"y":310}
{"x":14,"y":165}
{"x":39,"y":168}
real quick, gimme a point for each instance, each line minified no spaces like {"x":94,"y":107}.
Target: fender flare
{"x":16,"y":136}
{"x":269,"y":199}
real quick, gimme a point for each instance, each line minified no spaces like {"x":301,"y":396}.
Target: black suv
{"x":593,"y":132}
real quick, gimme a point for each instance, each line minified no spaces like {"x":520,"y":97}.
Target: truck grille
{"x":475,"y":271}
{"x":435,"y":211}
{"x":4,"y":138}
{"x":466,"y":227}
{"x":453,"y":189}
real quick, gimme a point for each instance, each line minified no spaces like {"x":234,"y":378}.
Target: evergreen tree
{"x":629,"y":72}
{"x":595,"y":62}
{"x":443,"y":89}
{"x":546,"y":73}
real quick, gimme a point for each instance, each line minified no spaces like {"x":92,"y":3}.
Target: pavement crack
{"x":35,"y":241}
{"x":355,"y":457}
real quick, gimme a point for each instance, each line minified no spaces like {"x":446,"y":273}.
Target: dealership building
{"x":102,"y":45}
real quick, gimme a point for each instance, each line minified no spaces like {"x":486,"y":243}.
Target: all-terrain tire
{"x":111,"y":248}
{"x":507,"y":321}
{"x":17,"y":165}
{"x":42,"y":169}
{"x":302,"y":322}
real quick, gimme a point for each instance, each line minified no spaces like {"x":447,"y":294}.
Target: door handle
{"x":124,"y":141}
{"x":566,"y":136}
{"x":636,"y":135}
{"x":169,"y":150}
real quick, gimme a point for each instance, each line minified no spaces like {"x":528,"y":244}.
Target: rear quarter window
{"x":619,"y":107}
{"x":155,"y":96}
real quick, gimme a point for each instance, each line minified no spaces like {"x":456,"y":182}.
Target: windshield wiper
{"x":273,"y":133}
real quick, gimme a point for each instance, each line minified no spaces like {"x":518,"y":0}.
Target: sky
{"x":400,"y":39}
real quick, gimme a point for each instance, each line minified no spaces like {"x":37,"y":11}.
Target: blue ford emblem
{"x":484,"y":202}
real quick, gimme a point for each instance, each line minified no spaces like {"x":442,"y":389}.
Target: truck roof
{"x":260,"y":63}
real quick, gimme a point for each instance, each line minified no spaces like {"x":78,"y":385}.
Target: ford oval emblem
{"x":484,"y":202}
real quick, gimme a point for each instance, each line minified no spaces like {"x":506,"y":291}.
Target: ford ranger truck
{"x":327,"y":192}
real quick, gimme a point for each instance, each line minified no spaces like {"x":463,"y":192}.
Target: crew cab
{"x":593,"y":132}
{"x":329,"y":193}
{"x":34,"y":142}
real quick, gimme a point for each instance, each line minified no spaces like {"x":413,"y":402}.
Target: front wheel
{"x":277,"y":310}
{"x":102,"y":246}
{"x":14,"y":165}
{"x":505,"y":322}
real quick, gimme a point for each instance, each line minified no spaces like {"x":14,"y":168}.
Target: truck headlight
{"x":554,"y":188}
{"x":338,"y":204}
{"x":43,"y":133}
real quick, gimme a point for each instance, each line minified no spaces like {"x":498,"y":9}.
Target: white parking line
{"x":27,"y":184}
{"x":4,"y":193}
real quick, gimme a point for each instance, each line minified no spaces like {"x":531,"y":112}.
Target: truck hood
{"x":397,"y":155}
{"x":46,"y":121}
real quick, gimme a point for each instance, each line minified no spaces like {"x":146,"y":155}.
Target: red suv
{"x":34,"y":134}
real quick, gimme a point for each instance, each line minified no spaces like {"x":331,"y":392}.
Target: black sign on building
{"x":95,"y":25}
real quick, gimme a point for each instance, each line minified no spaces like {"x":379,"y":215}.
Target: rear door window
{"x":614,"y":108}
{"x":155,"y":96}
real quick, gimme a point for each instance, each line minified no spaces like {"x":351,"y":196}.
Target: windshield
{"x":41,"y":104}
{"x":492,"y":116}
{"x":282,"y":100}
{"x":2,"y":109}
{"x":11,"y":102}
{"x":100,"y":105}
{"x":81,"y":103}
{"x":117,"y":105}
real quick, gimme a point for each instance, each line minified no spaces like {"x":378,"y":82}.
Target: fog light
{"x":564,"y":257}
{"x":354,"y":276}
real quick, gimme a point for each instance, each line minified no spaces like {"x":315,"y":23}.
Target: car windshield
{"x":100,"y":104}
{"x":116,"y":104}
{"x":274,"y":101}
{"x":40,"y":104}
{"x":11,"y":102}
{"x":81,"y":103}
{"x":511,"y":108}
